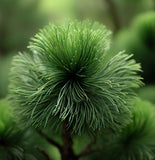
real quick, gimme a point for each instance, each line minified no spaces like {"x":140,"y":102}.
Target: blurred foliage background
{"x":131,"y":21}
{"x":20,"y":20}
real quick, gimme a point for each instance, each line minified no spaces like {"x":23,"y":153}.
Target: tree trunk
{"x":67,"y":149}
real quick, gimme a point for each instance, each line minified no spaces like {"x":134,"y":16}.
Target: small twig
{"x":89,"y":149}
{"x":50,"y":140}
{"x":43,"y":152}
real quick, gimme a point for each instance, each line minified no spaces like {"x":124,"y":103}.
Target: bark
{"x":67,"y":149}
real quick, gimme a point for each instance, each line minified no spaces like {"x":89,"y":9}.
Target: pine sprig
{"x":13,"y":138}
{"x":67,"y":78}
{"x":136,"y":140}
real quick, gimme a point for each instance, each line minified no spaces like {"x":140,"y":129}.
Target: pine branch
{"x":139,"y":133}
{"x":50,"y":140}
{"x":69,"y":78}
{"x":88,"y":150}
{"x":43,"y":152}
{"x":13,"y":136}
{"x":67,"y":151}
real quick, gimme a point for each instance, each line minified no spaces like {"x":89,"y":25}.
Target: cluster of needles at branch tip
{"x":136,"y":140}
{"x":66,"y":77}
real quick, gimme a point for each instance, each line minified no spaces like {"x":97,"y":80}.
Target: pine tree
{"x":67,"y":83}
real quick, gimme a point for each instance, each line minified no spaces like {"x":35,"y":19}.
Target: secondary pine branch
{"x":43,"y":152}
{"x":49,"y":139}
{"x":89,"y":149}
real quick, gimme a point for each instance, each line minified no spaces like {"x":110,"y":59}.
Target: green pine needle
{"x":13,"y":139}
{"x":137,"y":140}
{"x":67,"y":78}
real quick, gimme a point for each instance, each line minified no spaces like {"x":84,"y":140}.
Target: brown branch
{"x":43,"y":152}
{"x":89,"y":149}
{"x":50,"y":140}
{"x":67,"y":151}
